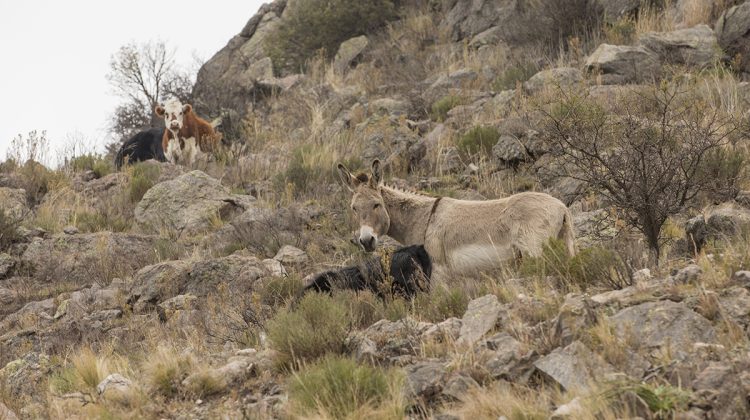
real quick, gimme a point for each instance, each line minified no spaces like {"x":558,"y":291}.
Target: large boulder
{"x":733,"y":31}
{"x":618,"y":64}
{"x":653,"y":325}
{"x":696,"y":46}
{"x":90,"y":257}
{"x":191,"y":204}
{"x":229,"y":79}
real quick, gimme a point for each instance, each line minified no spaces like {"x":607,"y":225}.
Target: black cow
{"x":143,"y":146}
{"x":410,"y":272}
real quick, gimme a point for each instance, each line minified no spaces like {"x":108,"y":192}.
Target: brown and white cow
{"x":187,"y":135}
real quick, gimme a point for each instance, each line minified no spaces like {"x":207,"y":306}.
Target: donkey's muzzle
{"x":367,"y":243}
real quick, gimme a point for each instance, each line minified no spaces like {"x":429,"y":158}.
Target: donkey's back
{"x":477,"y":235}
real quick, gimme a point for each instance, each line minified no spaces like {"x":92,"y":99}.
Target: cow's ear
{"x":187,"y":108}
{"x":159,"y":110}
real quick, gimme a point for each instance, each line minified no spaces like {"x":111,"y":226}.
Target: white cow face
{"x":173,"y":113}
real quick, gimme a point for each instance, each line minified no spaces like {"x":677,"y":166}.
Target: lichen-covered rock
{"x":733,"y":31}
{"x":188,"y":205}
{"x":425,"y":380}
{"x":696,"y":46}
{"x":653,"y":325}
{"x":618,"y":64}
{"x":89,"y":257}
{"x":13,"y":202}
{"x":480,"y":317}
{"x":558,"y":77}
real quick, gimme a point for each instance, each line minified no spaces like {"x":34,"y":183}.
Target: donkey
{"x":460,"y":236}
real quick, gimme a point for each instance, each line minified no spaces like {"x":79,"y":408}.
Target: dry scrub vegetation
{"x":649,"y":160}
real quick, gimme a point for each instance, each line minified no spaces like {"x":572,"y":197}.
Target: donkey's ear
{"x":377,"y":173}
{"x":349,"y":180}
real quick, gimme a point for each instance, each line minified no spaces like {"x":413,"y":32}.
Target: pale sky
{"x":54,"y":55}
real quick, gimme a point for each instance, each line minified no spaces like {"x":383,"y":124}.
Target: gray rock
{"x":733,"y":31}
{"x":291,"y":255}
{"x":6,"y":265}
{"x":615,"y":9}
{"x":574,"y":367}
{"x":505,"y":357}
{"x":617,"y":64}
{"x":509,"y":151}
{"x":155,"y":283}
{"x":348,"y":53}
{"x":89,"y":257}
{"x":576,"y":315}
{"x":390,"y":106}
{"x":222,"y":82}
{"x":696,"y":46}
{"x":573,"y":409}
{"x":7,"y":296}
{"x":170,"y":306}
{"x":480,"y":317}
{"x":24,"y":378}
{"x":656,"y":324}
{"x":689,"y":274}
{"x":6,"y":413}
{"x":188,"y":205}
{"x":558,"y":77}
{"x":425,"y":380}
{"x":114,"y":383}
{"x":458,"y":387}
{"x":13,"y":202}
{"x":721,"y":388}
{"x":735,"y":302}
{"x":696,"y":233}
{"x":449,"y":330}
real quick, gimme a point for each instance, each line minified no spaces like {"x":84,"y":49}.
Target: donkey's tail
{"x":567,"y":234}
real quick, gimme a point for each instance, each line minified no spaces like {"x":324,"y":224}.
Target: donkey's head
{"x":367,"y":204}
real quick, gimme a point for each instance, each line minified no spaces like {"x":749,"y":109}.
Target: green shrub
{"x":91,"y":162}
{"x":441,"y":303}
{"x":280,"y":290}
{"x":441,"y":107}
{"x":478,"y":140}
{"x":514,"y":75}
{"x":143,"y":178}
{"x":595,"y":266}
{"x":313,"y":25}
{"x":317,"y":326}
{"x":339,"y":388}
{"x":97,"y":222}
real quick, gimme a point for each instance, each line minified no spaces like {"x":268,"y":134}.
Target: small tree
{"x":650,"y":157}
{"x":143,"y":75}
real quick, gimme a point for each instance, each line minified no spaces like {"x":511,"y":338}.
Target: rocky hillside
{"x":166,"y":291}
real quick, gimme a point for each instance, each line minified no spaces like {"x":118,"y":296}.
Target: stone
{"x":259,"y":70}
{"x":653,"y":325}
{"x":576,"y":315}
{"x":563,"y":77}
{"x":696,"y":46}
{"x":480,"y":317}
{"x":290,"y":255}
{"x":13,"y":202}
{"x":506,"y":357}
{"x":458,"y":386}
{"x":425,"y":380}
{"x":348,"y":53}
{"x":188,"y":205}
{"x":690,"y":274}
{"x":89,"y":257}
{"x":573,"y":409}
{"x":447,"y":330}
{"x":168,"y":307}
{"x":155,"y":283}
{"x":6,"y":413}
{"x":617,"y":64}
{"x":6,"y":265}
{"x":114,"y":383}
{"x":733,"y":32}
{"x":509,"y":151}
{"x":7,"y":296}
{"x":390,"y":106}
{"x":574,"y":367}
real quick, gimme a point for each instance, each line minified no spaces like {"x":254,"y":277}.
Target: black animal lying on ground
{"x":143,"y":146}
{"x":410,"y":270}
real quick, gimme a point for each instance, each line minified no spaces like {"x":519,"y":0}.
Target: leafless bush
{"x":650,"y":158}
